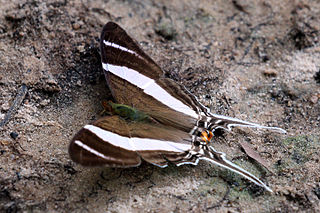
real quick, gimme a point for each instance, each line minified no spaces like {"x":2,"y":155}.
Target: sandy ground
{"x":254,"y":60}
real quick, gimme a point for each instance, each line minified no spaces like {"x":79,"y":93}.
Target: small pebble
{"x":5,"y":106}
{"x":79,"y":83}
{"x":270,"y":72}
{"x":81,"y":48}
{"x":314,"y":99}
{"x":45,"y":102}
{"x":14,"y":135}
{"x":76,"y":26}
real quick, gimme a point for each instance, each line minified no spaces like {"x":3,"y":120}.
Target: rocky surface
{"x":254,"y":60}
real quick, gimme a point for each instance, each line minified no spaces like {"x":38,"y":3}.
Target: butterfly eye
{"x":197,"y":143}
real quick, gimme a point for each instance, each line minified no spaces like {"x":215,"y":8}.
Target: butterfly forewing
{"x":136,"y":80}
{"x":118,"y":48}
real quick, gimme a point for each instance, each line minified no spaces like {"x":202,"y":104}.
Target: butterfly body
{"x":155,"y":118}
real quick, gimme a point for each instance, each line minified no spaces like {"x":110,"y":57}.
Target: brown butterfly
{"x":155,"y":118}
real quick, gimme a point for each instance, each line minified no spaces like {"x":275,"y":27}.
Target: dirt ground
{"x":254,"y":60}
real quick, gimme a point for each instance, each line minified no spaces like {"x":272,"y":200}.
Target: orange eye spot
{"x":205,"y":137}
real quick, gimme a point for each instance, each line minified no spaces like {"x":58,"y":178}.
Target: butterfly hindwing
{"x":99,"y":146}
{"x":116,"y":142}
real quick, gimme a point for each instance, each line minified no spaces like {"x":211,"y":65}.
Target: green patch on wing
{"x":127,"y":112}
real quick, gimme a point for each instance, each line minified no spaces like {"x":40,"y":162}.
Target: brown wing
{"x":137,"y":81}
{"x":89,"y":149}
{"x":114,"y":142}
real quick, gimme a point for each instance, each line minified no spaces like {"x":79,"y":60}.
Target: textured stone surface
{"x":254,"y":60}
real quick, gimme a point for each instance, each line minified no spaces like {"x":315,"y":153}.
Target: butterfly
{"x":155,"y":118}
